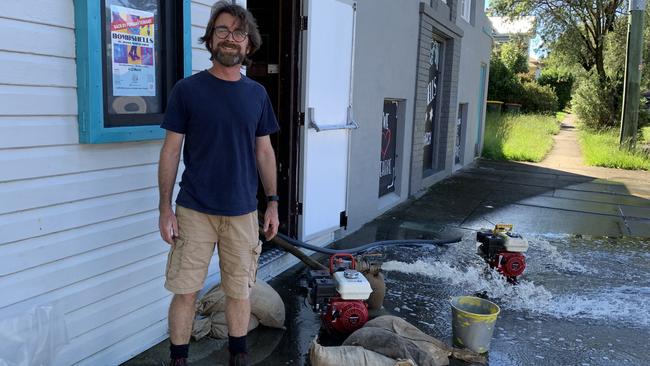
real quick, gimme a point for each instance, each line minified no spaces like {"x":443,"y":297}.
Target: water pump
{"x":503,"y":250}
{"x":340,"y":295}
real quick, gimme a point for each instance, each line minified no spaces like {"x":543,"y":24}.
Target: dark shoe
{"x":240,"y":359}
{"x":178,"y":362}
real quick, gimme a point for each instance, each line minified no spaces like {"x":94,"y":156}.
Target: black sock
{"x":236,"y":344}
{"x":179,"y":351}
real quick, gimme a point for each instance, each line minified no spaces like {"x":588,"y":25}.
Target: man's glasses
{"x":237,"y":35}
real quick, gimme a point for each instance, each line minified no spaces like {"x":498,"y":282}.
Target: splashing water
{"x":624,"y":303}
{"x":550,"y":257}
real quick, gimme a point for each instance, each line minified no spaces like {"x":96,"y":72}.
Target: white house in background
{"x":372,"y":112}
{"x":506,"y":28}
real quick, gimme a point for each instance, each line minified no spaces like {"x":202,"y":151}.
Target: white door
{"x":328,"y":59}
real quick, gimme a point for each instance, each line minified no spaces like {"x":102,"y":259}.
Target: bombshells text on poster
{"x":132,"y":40}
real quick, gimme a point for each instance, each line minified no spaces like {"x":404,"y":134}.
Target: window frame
{"x":90,"y":76}
{"x":466,"y":10}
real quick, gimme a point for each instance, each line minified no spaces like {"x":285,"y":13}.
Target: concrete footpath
{"x":560,"y":195}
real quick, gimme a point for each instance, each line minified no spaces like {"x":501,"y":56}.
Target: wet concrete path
{"x":583,"y":299}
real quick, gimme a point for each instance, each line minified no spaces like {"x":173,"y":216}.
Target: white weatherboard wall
{"x":78,"y":223}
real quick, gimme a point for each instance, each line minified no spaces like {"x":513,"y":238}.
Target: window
{"x":129,"y":55}
{"x":465,"y":9}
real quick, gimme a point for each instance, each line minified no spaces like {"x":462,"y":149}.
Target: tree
{"x":581,"y":25}
{"x":514,"y":57}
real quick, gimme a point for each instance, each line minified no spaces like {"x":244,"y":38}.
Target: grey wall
{"x":384,"y":67}
{"x":475,"y":50}
{"x":439,"y":19}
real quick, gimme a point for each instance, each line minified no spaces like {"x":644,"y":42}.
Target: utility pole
{"x":630,"y":110}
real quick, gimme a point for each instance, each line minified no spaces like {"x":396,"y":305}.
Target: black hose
{"x":370,"y":246}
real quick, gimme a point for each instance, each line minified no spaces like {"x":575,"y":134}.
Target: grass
{"x":520,"y":137}
{"x":645,"y":134}
{"x":601,"y":149}
{"x":559,"y":116}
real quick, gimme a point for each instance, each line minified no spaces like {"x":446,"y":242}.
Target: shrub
{"x":597,"y":104}
{"x":538,"y":98}
{"x":561,"y":82}
{"x":502,"y":83}
{"x":514,"y":57}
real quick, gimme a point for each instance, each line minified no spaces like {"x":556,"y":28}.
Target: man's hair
{"x":246,"y":21}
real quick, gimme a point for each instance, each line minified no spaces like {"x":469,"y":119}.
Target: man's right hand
{"x":168,"y":225}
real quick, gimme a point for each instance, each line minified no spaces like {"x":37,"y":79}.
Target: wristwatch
{"x":273,"y":198}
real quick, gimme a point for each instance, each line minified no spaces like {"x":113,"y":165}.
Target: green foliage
{"x":514,"y":58}
{"x":561,"y":81}
{"x":502,"y":83}
{"x":538,"y":98}
{"x":644,"y":115}
{"x":645,"y":135}
{"x":602,"y":149}
{"x":577,"y":29}
{"x":614,"y":52}
{"x":598,"y":107}
{"x":508,"y":137}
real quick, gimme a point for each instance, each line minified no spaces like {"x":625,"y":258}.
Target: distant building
{"x":535,"y":65}
{"x":506,"y":29}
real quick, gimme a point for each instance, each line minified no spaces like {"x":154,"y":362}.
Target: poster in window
{"x":388,"y":142}
{"x":133,"y":61}
{"x":432,"y":97}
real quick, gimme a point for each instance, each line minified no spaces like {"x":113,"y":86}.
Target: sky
{"x":535,"y":42}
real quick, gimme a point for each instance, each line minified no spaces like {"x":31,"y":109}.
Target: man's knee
{"x":186,"y":299}
{"x":238,"y":303}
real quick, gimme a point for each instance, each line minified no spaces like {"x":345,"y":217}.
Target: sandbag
{"x":378,"y":286}
{"x":216,"y":326}
{"x":219,"y":326}
{"x":391,"y":345}
{"x":349,"y":355}
{"x":266,"y":304}
{"x":438,"y":349}
{"x":201,"y":327}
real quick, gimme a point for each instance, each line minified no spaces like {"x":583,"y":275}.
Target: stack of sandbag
{"x":393,"y":339}
{"x":350,"y":355}
{"x":267,"y":309}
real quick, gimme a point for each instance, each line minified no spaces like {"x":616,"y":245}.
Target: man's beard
{"x":226,"y":58}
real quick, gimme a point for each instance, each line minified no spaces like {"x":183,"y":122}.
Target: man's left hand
{"x":271,"y":221}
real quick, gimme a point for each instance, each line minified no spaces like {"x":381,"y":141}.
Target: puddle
{"x":580,"y":301}
{"x":553,"y":283}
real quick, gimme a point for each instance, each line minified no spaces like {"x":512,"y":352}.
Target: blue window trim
{"x":90,"y":83}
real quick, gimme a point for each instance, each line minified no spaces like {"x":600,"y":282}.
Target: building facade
{"x":368,"y":112}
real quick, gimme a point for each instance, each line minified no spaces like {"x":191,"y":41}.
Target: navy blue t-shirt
{"x":220,"y":120}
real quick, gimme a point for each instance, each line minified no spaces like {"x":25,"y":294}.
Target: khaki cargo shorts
{"x":238,"y":245}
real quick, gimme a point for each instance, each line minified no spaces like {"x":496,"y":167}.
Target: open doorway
{"x":276,"y":67}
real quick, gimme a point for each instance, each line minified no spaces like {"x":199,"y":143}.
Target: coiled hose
{"x":369,"y":246}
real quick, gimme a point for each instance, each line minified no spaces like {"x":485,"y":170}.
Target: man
{"x":225,"y":119}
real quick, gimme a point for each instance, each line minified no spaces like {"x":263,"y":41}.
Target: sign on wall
{"x":432,"y":97}
{"x":132,"y":42}
{"x":134,"y":64}
{"x":459,"y":134}
{"x":388,"y":142}
{"x":130,"y":53}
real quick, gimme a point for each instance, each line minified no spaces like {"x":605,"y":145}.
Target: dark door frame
{"x":289,"y":143}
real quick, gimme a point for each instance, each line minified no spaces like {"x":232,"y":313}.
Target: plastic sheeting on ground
{"x":267,"y":309}
{"x":32,"y":336}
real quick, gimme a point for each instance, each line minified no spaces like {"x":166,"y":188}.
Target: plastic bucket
{"x":473,"y":321}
